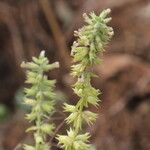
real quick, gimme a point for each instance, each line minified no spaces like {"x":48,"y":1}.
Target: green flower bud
{"x":47,"y":128}
{"x":30,"y":102}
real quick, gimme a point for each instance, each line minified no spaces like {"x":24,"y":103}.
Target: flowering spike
{"x":40,"y":98}
{"x":91,"y":41}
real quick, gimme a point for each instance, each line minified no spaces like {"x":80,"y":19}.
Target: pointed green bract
{"x":91,"y":41}
{"x":40,"y":97}
{"x":72,"y":141}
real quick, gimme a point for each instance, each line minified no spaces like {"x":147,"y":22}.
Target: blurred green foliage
{"x":4,"y":112}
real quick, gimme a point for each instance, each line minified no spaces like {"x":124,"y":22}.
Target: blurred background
{"x":29,"y":26}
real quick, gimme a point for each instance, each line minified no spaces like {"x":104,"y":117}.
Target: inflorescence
{"x":90,"y":43}
{"x":40,"y":97}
